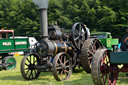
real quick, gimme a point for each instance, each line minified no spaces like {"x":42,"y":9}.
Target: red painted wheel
{"x":102,"y":72}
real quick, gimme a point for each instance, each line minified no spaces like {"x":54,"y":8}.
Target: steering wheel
{"x":78,"y":35}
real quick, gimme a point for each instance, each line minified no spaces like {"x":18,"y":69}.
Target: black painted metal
{"x":50,"y":46}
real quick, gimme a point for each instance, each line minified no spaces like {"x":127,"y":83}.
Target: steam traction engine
{"x":107,"y":65}
{"x":59,"y":52}
{"x":97,"y":41}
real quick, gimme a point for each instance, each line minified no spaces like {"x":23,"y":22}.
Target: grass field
{"x":13,"y":77}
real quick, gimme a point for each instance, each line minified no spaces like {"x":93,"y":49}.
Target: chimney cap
{"x":42,"y":4}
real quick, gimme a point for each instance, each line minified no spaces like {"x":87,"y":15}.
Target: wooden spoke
{"x":26,"y":69}
{"x":60,"y":61}
{"x":62,"y":75}
{"x":66,"y":61}
{"x":28,"y":60}
{"x":32,"y":73}
{"x":76,"y":32}
{"x":80,"y":29}
{"x":77,"y":38}
{"x":27,"y":72}
{"x":26,"y":64}
{"x":58,"y":68}
{"x":34,"y":61}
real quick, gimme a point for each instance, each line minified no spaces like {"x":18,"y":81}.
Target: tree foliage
{"x":20,"y":15}
{"x":98,"y":15}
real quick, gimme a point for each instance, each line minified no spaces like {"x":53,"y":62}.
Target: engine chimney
{"x":43,"y":5}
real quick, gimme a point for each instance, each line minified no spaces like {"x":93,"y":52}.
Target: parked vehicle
{"x":106,"y":64}
{"x":97,"y":41}
{"x":106,"y":40}
{"x":8,"y":45}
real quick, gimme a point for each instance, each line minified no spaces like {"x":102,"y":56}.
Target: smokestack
{"x":44,"y":23}
{"x":43,"y":5}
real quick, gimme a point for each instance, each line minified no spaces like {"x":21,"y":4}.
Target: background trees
{"x":20,"y":15}
{"x":98,"y":15}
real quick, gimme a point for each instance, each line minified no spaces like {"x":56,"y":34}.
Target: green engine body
{"x":106,"y":39}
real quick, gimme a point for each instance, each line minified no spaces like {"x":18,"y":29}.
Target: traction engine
{"x":56,"y":51}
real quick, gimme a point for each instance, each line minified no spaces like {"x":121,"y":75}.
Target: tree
{"x":20,"y":15}
{"x":98,"y":15}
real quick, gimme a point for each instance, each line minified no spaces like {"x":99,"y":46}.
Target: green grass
{"x":79,"y":77}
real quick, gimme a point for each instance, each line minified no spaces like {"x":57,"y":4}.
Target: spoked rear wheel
{"x":88,"y":50}
{"x":101,"y":70}
{"x":28,"y":64}
{"x":62,"y":67}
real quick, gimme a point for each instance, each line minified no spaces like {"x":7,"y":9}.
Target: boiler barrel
{"x":61,"y":47}
{"x":52,"y":47}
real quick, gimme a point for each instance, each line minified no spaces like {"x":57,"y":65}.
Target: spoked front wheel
{"x":62,"y":67}
{"x":102,"y":70}
{"x":28,"y":64}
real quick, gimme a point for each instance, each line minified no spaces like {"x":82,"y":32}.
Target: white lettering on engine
{"x":6,"y":43}
{"x":20,"y":43}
